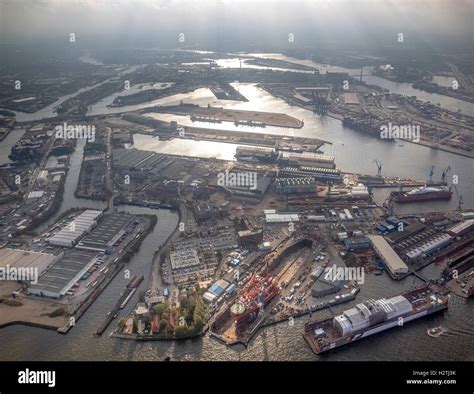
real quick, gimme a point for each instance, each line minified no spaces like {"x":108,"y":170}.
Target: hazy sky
{"x":210,"y":23}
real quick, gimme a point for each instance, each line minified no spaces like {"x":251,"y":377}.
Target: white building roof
{"x":281,"y":217}
{"x":392,"y":260}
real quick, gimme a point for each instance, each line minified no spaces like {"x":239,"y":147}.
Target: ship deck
{"x":420,"y":299}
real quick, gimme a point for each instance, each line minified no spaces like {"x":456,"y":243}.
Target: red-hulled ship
{"x":258,"y":291}
{"x":424,"y":193}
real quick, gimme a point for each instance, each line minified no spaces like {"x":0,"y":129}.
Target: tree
{"x":163,"y":324}
{"x":121,"y":323}
{"x":180,"y":331}
{"x":160,"y":308}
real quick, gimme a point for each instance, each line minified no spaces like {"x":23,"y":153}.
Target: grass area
{"x":57,"y":312}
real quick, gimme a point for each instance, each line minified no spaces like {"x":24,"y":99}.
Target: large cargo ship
{"x":373,"y":316}
{"x":258,"y":292}
{"x":424,"y":193}
{"x":365,"y":126}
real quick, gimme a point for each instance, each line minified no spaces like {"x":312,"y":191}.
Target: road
{"x":156,"y":283}
{"x":462,"y":79}
{"x":108,"y":171}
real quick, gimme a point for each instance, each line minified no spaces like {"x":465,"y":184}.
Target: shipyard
{"x":229,"y":190}
{"x":272,"y":233}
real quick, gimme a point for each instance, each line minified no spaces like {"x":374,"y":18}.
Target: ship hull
{"x":376,"y":329}
{"x":404,"y":198}
{"x":242,"y":316}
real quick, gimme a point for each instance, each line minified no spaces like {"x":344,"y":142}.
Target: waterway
{"x":354,"y":152}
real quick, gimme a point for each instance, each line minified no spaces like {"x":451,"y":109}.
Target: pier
{"x":124,"y":298}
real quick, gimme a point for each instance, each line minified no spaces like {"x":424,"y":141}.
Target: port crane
{"x":379,"y":167}
{"x":444,"y":174}
{"x":431,"y":175}
{"x":459,"y":196}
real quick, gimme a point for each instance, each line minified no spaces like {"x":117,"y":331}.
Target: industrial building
{"x":204,"y":211}
{"x":249,"y":237}
{"x":324,"y":287}
{"x":408,"y":230}
{"x":462,"y":228}
{"x":281,"y":217}
{"x":107,"y":232}
{"x":393,"y":262}
{"x":26,"y":260}
{"x":216,"y":290}
{"x":75,"y":229}
{"x":357,"y":243}
{"x":317,"y":173}
{"x":308,"y":159}
{"x":316,"y":218}
{"x":138,"y":160}
{"x":428,"y":247}
{"x":359,"y":192}
{"x":255,"y":152}
{"x":244,"y":185}
{"x":61,"y":276}
{"x":295,"y":185}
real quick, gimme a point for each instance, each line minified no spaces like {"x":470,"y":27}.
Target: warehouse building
{"x":317,"y":173}
{"x":249,"y":237}
{"x":255,"y":152}
{"x":216,"y":290}
{"x":462,"y":228}
{"x":324,"y":287}
{"x":359,"y":192}
{"x":308,"y":159}
{"x":357,"y":243}
{"x":428,"y":247}
{"x":393,"y":262}
{"x":408,"y":230}
{"x":316,"y":218}
{"x":75,"y":229}
{"x":138,"y":160}
{"x":23,"y":260}
{"x":107,"y":233}
{"x":61,"y":276}
{"x":304,"y":185}
{"x":281,"y":217}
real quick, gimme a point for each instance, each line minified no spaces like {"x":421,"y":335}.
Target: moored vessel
{"x":257,"y":293}
{"x":424,"y":193}
{"x":373,"y":316}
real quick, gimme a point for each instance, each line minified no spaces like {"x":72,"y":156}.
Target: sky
{"x":214,"y":23}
